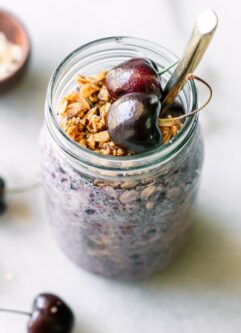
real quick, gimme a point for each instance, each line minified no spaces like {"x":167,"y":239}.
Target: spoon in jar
{"x":203,"y":31}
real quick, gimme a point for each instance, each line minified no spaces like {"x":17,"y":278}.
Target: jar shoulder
{"x":187,"y":163}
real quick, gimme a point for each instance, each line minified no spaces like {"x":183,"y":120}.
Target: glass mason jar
{"x":119,"y":216}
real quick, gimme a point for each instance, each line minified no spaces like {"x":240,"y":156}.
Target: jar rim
{"x":80,"y":154}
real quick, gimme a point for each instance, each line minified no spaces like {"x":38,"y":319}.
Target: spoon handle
{"x":201,"y":36}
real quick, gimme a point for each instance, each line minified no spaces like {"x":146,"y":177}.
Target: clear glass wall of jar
{"x":121,"y":217}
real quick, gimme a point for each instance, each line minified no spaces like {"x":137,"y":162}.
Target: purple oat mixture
{"x":127,"y":228}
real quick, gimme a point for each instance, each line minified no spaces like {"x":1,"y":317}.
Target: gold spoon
{"x":203,"y":31}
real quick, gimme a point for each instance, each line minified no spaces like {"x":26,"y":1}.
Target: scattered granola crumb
{"x":83,"y":116}
{"x":8,"y":276}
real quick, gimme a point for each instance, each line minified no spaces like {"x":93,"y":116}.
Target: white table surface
{"x":201,"y":291}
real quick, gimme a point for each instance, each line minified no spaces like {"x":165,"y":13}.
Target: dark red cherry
{"x":50,"y":315}
{"x":132,"y":122}
{"x":2,"y":196}
{"x":134,"y":75}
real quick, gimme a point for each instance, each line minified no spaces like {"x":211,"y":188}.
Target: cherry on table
{"x":50,"y":314}
{"x":2,"y":196}
{"x":132,"y":122}
{"x":134,"y":75}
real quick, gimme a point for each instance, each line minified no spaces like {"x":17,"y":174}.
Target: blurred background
{"x":201,"y":291}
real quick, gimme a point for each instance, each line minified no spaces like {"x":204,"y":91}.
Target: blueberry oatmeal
{"x":119,"y":182}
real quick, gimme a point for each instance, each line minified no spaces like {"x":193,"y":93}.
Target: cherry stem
{"x":24,"y":313}
{"x":163,"y":71}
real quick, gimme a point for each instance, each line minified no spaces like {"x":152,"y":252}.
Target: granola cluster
{"x":83,"y":116}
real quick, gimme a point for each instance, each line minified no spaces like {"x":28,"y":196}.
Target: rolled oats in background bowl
{"x":14,"y":50}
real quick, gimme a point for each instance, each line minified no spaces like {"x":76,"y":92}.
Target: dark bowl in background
{"x":16,"y":33}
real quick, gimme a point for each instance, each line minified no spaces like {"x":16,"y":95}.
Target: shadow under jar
{"x":120,"y":217}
